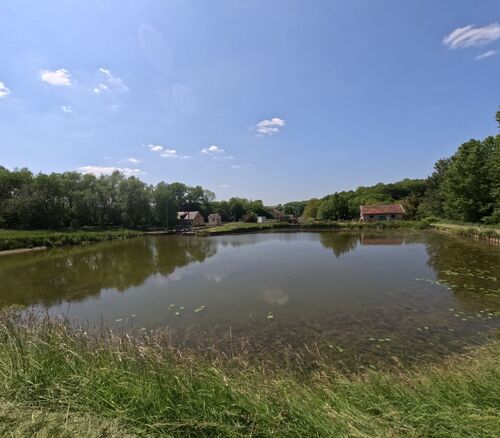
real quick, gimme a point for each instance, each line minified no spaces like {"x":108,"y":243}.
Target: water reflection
{"x":76,"y":273}
{"x":428,"y":293}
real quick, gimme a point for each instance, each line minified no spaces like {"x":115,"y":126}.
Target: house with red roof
{"x":378,"y":213}
{"x":190,"y":218}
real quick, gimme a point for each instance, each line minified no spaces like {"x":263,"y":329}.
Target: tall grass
{"x":54,"y":377}
{"x":13,"y":239}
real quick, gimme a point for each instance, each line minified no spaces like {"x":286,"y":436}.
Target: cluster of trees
{"x":466,"y":186}
{"x":463,"y":187}
{"x":62,"y":200}
{"x":345,"y":205}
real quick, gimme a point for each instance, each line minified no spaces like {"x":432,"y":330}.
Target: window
{"x":393,"y":215}
{"x":371,"y":216}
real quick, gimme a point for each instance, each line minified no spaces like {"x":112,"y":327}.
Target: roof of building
{"x":214,"y":215}
{"x":187,"y":215}
{"x":382,"y":209}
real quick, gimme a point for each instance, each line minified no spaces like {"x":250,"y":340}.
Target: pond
{"x":356,"y":298}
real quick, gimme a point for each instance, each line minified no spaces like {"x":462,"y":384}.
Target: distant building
{"x":277,"y":214}
{"x":214,"y":219}
{"x":377,"y":213}
{"x":261,"y":219}
{"x":190,"y":218}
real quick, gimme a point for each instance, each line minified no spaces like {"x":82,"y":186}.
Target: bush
{"x":250,"y":217}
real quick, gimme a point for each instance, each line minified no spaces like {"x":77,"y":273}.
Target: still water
{"x":351,"y":296}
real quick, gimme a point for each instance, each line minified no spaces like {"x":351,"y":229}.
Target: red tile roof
{"x":382,"y":209}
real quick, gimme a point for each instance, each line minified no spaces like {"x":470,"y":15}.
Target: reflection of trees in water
{"x":77,"y":273}
{"x":341,"y":243}
{"x":469,"y":267}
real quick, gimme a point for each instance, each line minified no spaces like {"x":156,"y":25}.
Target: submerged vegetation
{"x":58,"y":381}
{"x":13,"y":239}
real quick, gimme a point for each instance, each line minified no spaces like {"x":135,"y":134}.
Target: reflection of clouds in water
{"x":176,"y":276}
{"x":155,"y":48}
{"x":183,"y":97}
{"x":275,"y":297}
{"x":215,"y":278}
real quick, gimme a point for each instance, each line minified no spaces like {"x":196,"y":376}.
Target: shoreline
{"x":21,"y":250}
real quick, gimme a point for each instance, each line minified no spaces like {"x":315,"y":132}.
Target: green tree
{"x":311,"y":209}
{"x":334,"y":207}
{"x":467,"y":185}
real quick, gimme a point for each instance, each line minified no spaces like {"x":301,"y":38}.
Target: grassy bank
{"x":242,"y":227}
{"x":13,"y":239}
{"x":57,"y":381}
{"x":490,"y":233}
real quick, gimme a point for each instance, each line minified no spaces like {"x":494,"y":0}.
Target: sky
{"x":277,"y":100}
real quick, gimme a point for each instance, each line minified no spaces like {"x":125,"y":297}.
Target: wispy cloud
{"x":241,"y":166}
{"x":167,"y":152}
{"x":470,"y":36}
{"x":100,"y":88}
{"x":67,"y":109}
{"x":4,"y":91}
{"x":109,"y":82}
{"x":212,"y":150}
{"x":269,"y":126}
{"x":132,"y":160}
{"x":108,"y":170}
{"x":56,"y":77}
{"x":224,"y":186}
{"x":487,"y":54}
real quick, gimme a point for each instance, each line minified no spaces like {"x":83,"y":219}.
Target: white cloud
{"x":4,"y":91}
{"x":109,"y":82}
{"x":241,"y":166}
{"x":269,"y":126}
{"x":132,"y":160}
{"x":100,"y":88}
{"x":486,"y":54}
{"x":56,"y":77}
{"x":470,"y":36}
{"x":155,"y":148}
{"x":108,"y":170}
{"x":212,"y":150}
{"x":67,"y":109}
{"x":167,"y":152}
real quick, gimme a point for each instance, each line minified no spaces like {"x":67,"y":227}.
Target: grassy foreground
{"x":57,"y":381}
{"x":14,"y":239}
{"x":242,"y":227}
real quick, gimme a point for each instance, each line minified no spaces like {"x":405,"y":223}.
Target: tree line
{"x":73,"y":200}
{"x":463,"y":187}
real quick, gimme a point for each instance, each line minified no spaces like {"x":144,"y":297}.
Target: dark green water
{"x":351,"y":296}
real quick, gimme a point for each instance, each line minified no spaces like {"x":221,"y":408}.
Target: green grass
{"x":242,"y":227}
{"x":469,"y":230}
{"x":13,"y":239}
{"x":57,"y":381}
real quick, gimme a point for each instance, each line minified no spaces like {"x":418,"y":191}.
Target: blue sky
{"x":276,"y":100}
